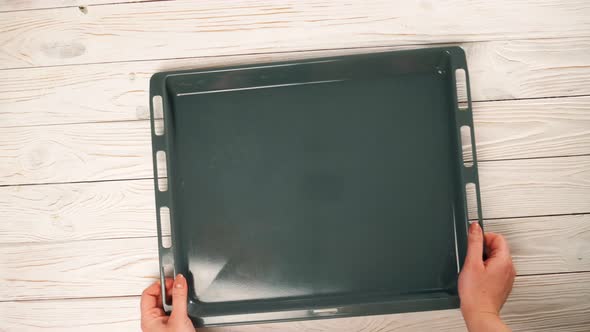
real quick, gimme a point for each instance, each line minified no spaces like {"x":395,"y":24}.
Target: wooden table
{"x":77,"y":217}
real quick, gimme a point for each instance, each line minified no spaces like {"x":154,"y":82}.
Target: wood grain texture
{"x":12,"y":5}
{"x":124,"y":266}
{"x":105,"y":314}
{"x":81,"y":152}
{"x":559,"y":243}
{"x":98,"y":268}
{"x":81,"y":211}
{"x":538,"y":303}
{"x":156,"y":30}
{"x":122,"y":150}
{"x":119,"y":91}
{"x":531,"y":128}
{"x":529,"y":68}
{"x":535,"y":187}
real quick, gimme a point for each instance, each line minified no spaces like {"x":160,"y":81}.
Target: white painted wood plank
{"x":64,"y":212}
{"x":76,"y":152}
{"x":537,"y":303}
{"x":557,"y":243}
{"x":531,"y":128}
{"x":535,"y":187}
{"x":105,"y":314}
{"x":12,"y":5}
{"x":529,"y":68}
{"x":97,"y":268}
{"x":116,"y":92}
{"x":78,"y":211}
{"x":122,"y":150}
{"x":155,"y":30}
{"x":122,"y":267}
{"x":550,"y":303}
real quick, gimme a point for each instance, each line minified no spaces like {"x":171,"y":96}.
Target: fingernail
{"x":474,"y":229}
{"x":179,"y":281}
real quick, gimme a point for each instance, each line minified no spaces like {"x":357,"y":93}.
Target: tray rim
{"x":463,"y":117}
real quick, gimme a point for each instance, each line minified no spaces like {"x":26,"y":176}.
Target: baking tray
{"x":316,"y":188}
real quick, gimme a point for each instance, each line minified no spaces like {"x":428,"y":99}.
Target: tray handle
{"x":159,"y":130}
{"x":464,"y":117}
{"x":468,"y":173}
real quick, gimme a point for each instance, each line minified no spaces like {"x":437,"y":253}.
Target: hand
{"x":153,"y":317}
{"x":484,"y":286}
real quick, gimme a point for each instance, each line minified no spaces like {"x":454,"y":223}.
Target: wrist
{"x":481,"y":321}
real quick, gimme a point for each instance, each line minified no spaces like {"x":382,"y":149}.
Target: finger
{"x":149,"y":298}
{"x":179,"y":297}
{"x":497,"y":245}
{"x":474,"y":245}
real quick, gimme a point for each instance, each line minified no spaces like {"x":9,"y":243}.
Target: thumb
{"x":179,"y":298}
{"x":474,"y":245}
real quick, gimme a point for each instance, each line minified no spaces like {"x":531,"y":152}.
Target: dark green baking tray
{"x":317,"y":188}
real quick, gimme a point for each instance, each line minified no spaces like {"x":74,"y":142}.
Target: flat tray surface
{"x":332,"y":183}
